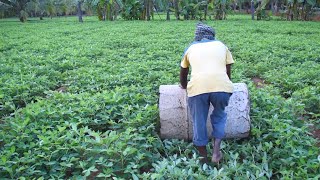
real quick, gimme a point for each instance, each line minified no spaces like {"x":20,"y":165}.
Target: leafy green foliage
{"x":132,"y":9}
{"x":105,"y":122}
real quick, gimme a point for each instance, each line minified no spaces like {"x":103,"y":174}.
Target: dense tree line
{"x":146,"y":9}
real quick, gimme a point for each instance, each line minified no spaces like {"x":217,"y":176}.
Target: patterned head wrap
{"x":204,"y":31}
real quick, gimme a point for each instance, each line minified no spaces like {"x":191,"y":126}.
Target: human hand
{"x":182,"y":87}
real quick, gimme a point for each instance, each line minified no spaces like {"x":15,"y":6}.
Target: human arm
{"x":183,"y":77}
{"x":184,"y":70}
{"x":229,"y":62}
{"x":228,"y":66}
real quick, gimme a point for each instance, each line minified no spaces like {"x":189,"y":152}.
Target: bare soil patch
{"x":62,"y":89}
{"x":259,"y":82}
{"x":316,"y":18}
{"x":316,"y":134}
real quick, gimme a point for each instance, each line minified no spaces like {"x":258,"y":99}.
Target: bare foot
{"x":203,"y":154}
{"x":216,"y":157}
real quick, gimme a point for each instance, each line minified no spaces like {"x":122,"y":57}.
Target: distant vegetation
{"x":146,"y":9}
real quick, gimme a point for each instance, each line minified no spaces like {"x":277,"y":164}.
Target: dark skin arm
{"x":228,"y":66}
{"x":184,"y":77}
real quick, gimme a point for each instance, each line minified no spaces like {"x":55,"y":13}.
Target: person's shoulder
{"x":218,"y":42}
{"x":188,"y":47}
{"x":221,"y":44}
{"x":194,"y":43}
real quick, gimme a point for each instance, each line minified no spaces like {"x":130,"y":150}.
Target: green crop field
{"x":79,"y":100}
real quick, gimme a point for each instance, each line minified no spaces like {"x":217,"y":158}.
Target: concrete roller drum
{"x":176,"y":121}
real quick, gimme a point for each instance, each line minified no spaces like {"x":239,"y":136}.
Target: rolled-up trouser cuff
{"x":200,"y":143}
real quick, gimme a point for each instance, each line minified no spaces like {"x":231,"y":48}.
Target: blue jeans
{"x":199,"y":107}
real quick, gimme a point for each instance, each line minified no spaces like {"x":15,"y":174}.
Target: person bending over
{"x":210,"y":61}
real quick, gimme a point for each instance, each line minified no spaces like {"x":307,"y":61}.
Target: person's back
{"x":208,"y":59}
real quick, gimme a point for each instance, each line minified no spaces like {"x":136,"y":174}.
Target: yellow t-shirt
{"x":208,"y":60}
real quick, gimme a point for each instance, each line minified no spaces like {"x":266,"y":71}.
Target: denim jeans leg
{"x":199,"y":107}
{"x":219,"y":101}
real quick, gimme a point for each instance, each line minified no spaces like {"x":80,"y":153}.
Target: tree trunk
{"x":259,"y":11}
{"x":252,"y":9}
{"x":295,"y":10}
{"x":148,"y":10}
{"x":224,"y":15}
{"x":109,"y":13}
{"x":306,"y":13}
{"x":41,"y":15}
{"x":115,"y":14}
{"x":276,"y":8}
{"x":168,"y":15}
{"x":176,"y":9}
{"x":99,"y":12}
{"x":205,"y":12}
{"x":272,"y":7}
{"x":302,"y":11}
{"x":79,"y":11}
{"x":19,"y":9}
{"x":104,"y":13}
{"x":289,"y":12}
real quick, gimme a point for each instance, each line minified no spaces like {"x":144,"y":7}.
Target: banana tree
{"x":107,"y":9}
{"x":36,"y":8}
{"x":132,"y":9}
{"x":164,"y":5}
{"x":68,"y":6}
{"x":261,"y":10}
{"x":137,"y":9}
{"x":4,"y":8}
{"x":195,"y":10}
{"x":306,"y":8}
{"x":221,"y":8}
{"x":79,"y":4}
{"x":50,"y":8}
{"x":298,"y":9}
{"x":33,"y":7}
{"x":147,"y":10}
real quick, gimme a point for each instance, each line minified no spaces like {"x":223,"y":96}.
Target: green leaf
{"x":312,"y":2}
{"x":135,"y":177}
{"x":12,"y":149}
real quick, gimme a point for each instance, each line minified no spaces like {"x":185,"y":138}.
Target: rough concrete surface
{"x":176,"y":122}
